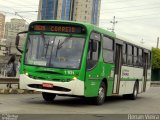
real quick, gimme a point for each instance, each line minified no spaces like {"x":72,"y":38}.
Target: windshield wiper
{"x":65,"y":40}
{"x":44,"y":40}
{"x":60,"y":45}
{"x":57,"y":48}
{"x":47,"y":49}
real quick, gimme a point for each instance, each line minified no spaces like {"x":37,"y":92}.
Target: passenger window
{"x":108,"y":49}
{"x":140,"y":62}
{"x":129,"y":55}
{"x":135,"y":60}
{"x":149,"y":60}
{"x":124,"y":54}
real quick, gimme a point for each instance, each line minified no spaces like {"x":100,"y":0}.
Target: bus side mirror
{"x":17,"y":40}
{"x":94,"y":46}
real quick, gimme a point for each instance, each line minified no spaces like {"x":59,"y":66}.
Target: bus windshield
{"x":54,"y":51}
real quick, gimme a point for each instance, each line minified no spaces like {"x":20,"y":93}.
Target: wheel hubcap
{"x":101,"y":93}
{"x":135,"y":92}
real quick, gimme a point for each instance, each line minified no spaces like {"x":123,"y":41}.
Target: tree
{"x":155,"y":58}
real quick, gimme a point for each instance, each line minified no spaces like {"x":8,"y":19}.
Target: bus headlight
{"x":26,"y":74}
{"x":74,"y":78}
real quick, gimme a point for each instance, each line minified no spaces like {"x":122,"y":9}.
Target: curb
{"x":17,"y":91}
{"x":155,"y":84}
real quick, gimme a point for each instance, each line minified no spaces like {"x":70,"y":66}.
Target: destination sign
{"x":58,"y":28}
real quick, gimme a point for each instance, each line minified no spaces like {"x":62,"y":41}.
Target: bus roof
{"x":95,"y":28}
{"x":132,"y":42}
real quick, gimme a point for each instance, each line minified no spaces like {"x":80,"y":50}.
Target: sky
{"x":137,"y":20}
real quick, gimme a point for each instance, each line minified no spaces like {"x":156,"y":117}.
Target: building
{"x":48,"y":9}
{"x":74,"y":10}
{"x":3,"y":47}
{"x":3,"y":57}
{"x":2,"y":23}
{"x":65,"y":10}
{"x":11,"y":30}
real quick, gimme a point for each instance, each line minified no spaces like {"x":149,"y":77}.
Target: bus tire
{"x":100,"y":99}
{"x":48,"y":96}
{"x":133,"y":96}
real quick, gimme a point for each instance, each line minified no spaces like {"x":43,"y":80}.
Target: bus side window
{"x":140,"y":57}
{"x":124,"y":60}
{"x":135,"y":53}
{"x":93,"y":53}
{"x":108,"y":50}
{"x":149,"y":60}
{"x":129,"y":54}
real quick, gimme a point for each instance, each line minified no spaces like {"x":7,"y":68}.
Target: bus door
{"x":145,"y":67}
{"x":118,"y":62}
{"x":93,"y":66}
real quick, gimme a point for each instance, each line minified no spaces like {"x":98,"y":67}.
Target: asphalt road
{"x":148,"y":102}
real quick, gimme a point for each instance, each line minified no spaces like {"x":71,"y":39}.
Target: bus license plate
{"x":47,"y":85}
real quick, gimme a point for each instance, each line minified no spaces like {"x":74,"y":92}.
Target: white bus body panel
{"x":76,"y":86}
{"x":132,"y":73}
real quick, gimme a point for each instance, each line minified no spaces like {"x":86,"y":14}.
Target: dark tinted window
{"x":140,"y":52}
{"x":129,"y":55}
{"x":129,"y":50}
{"x":149,"y":60}
{"x":124,"y":53}
{"x":107,"y":43}
{"x":135,"y":59}
{"x":124,"y":59}
{"x":108,"y":50}
{"x":135,"y":51}
{"x":108,"y":56}
{"x":129,"y":60}
{"x":140,"y":62}
{"x":124,"y":48}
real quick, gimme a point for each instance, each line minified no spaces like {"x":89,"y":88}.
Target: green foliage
{"x":155,"y":58}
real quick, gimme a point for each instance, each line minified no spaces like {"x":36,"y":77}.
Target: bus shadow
{"x":85,"y":102}
{"x":73,"y":101}
{"x":120,"y":99}
{"x":76,"y":101}
{"x":63,"y":101}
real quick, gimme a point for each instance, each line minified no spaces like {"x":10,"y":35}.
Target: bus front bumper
{"x":74,"y":87}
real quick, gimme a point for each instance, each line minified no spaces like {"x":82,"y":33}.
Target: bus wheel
{"x":133,"y":96}
{"x":48,"y":96}
{"x":100,"y":99}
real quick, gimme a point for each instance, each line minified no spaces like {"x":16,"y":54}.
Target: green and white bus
{"x":80,"y":59}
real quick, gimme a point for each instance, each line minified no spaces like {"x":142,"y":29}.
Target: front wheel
{"x":48,"y":96}
{"x":100,"y":99}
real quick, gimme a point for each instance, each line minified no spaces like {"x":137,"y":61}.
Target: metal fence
{"x":15,"y":80}
{"x":9,"y":80}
